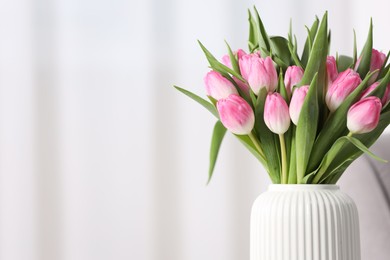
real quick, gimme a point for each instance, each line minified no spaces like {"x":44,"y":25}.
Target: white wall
{"x":100,"y":158}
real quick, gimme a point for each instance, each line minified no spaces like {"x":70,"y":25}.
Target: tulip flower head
{"x":226,"y":61}
{"x":226,"y":58}
{"x":292,"y":77}
{"x":236,"y":114}
{"x":377,"y":61}
{"x":276,"y":114}
{"x":363,"y":116}
{"x":258,"y":72}
{"x":217,"y":86}
{"x":345,"y":83}
{"x":331,"y":69}
{"x":296,"y":103}
{"x":385,"y":97}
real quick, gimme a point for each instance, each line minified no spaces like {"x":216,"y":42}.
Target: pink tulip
{"x":276,"y":115}
{"x":364,"y":115}
{"x":226,"y":58}
{"x":296,"y":103}
{"x":385,"y":97}
{"x":258,"y":72}
{"x":217,"y":86}
{"x":226,"y":61}
{"x":377,"y":60}
{"x":292,"y":77}
{"x":331,"y":69}
{"x":345,"y":83}
{"x":236,"y":114}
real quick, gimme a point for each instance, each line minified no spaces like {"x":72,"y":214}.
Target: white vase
{"x":304,"y":222}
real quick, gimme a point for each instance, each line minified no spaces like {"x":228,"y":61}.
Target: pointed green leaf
{"x":379,"y":91}
{"x":233,"y":59}
{"x":354,"y":48}
{"x":246,"y":141}
{"x":218,"y":66}
{"x":364,"y":65}
{"x":262,"y":35}
{"x":253,"y":41}
{"x":309,"y":41}
{"x":210,"y":107}
{"x":279,"y":47}
{"x":335,"y":151}
{"x":216,"y":140}
{"x":306,"y":129}
{"x":344,"y":62}
{"x":292,"y":171}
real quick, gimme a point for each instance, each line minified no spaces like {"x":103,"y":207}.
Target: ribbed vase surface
{"x":304,"y":222}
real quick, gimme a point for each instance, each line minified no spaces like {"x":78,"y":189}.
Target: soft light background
{"x":100,"y":158}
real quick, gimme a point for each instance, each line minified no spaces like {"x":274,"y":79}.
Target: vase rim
{"x":287,"y":187}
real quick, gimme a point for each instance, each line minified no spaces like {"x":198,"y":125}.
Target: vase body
{"x":304,"y":222}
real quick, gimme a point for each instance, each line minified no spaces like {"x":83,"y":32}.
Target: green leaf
{"x":317,"y":64}
{"x":379,"y":91}
{"x":306,"y":129}
{"x":309,"y":41}
{"x":246,"y":141}
{"x":317,"y":58}
{"x":269,"y":140}
{"x":364,"y":65}
{"x":335,"y":151}
{"x":210,"y":107}
{"x":335,"y":127}
{"x":337,"y":172}
{"x":262,"y":35}
{"x":216,"y":140}
{"x":292,"y":171}
{"x":294,"y":55}
{"x":253,"y":41}
{"x":279,"y":47}
{"x":344,"y":62}
{"x":282,"y":88}
{"x":354,"y":48}
{"x":218,"y":66}
{"x":233,"y":59}
{"x":349,"y":151}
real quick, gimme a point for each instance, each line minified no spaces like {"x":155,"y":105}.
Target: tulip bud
{"x":236,"y":114}
{"x":226,"y":58}
{"x":217,"y":86}
{"x":345,"y":83}
{"x":296,"y":103}
{"x":276,"y":115}
{"x":385,"y":97}
{"x":331,"y":69}
{"x":258,"y":72}
{"x":226,"y":61}
{"x":377,"y":60}
{"x":292,"y":77}
{"x":364,"y":115}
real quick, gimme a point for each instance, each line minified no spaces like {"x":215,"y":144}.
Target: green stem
{"x":257,"y":144}
{"x":284,"y":159}
{"x":350,"y":134}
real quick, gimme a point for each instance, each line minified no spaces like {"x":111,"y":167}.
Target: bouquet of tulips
{"x":305,"y":118}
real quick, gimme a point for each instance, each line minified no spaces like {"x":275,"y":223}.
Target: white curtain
{"x":100,"y":158}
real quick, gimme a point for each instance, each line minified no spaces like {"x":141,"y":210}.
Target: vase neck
{"x":302,"y":187}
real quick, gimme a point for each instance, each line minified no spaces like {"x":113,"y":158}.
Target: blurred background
{"x":100,"y":158}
